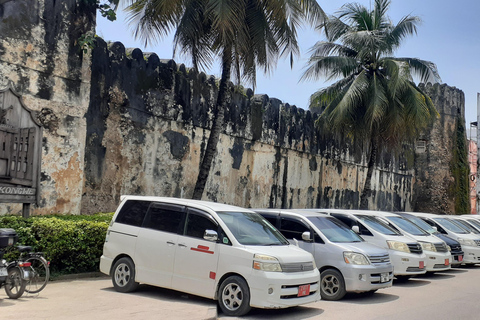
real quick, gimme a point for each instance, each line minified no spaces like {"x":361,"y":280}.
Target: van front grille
{"x":379,"y":259}
{"x":441,"y":247}
{"x":297,"y":267}
{"x":415,"y":248}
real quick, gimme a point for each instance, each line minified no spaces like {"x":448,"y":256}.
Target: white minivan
{"x":212,"y":250}
{"x":436,"y":250}
{"x":444,"y":224}
{"x":406,"y":253}
{"x":347,"y":263}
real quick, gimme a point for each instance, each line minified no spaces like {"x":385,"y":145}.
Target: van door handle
{"x":170,"y":243}
{"x":182,"y":245}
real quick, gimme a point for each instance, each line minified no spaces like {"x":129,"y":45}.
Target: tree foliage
{"x":374,"y":98}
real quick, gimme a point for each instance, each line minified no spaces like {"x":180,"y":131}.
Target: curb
{"x":75,"y":276}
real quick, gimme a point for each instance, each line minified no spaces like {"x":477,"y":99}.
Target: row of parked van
{"x":275,"y":258}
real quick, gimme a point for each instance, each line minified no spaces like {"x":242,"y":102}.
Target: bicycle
{"x":39,"y":269}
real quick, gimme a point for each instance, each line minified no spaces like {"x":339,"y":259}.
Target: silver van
{"x":346,"y":262}
{"x":406,"y":253}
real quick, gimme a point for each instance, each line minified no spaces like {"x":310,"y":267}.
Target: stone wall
{"x":441,"y":170}
{"x":40,"y":60}
{"x":148,"y":122}
{"x":123,"y":122}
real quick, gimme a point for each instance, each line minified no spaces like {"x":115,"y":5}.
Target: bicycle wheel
{"x":15,"y":285}
{"x":39,"y":274}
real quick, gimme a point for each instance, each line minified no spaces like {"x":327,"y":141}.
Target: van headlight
{"x":355,"y":258}
{"x":397,"y":245}
{"x":467,"y":242}
{"x":427,"y":246}
{"x":266,"y":263}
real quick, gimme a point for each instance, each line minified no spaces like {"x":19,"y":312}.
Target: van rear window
{"x":133,"y":212}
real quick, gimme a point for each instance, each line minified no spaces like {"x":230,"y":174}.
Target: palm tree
{"x":374,"y":98}
{"x":242,"y":33}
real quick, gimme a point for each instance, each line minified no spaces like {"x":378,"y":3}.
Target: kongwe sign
{"x":20,"y":151}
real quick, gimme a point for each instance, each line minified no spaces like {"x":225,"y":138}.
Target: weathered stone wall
{"x":148,"y":122}
{"x":441,"y":181}
{"x":40,"y":60}
{"x":124,"y":122}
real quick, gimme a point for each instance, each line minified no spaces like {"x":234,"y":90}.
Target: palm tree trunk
{"x":367,"y":188}
{"x":217,"y":126}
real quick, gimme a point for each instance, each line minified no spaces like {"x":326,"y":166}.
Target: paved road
{"x":447,"y":295}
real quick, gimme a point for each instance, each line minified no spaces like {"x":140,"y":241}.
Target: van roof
{"x":215,"y":206}
{"x":302,"y":212}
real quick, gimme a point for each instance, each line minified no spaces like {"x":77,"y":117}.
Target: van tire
{"x":332,"y":285}
{"x":234,"y":296}
{"x":123,"y":275}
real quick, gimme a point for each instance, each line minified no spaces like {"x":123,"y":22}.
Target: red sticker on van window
{"x":204,"y":249}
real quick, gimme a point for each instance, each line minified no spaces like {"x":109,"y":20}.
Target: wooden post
{"x":26,"y":210}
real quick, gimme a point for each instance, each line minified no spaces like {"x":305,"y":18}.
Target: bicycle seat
{"x":24,"y":248}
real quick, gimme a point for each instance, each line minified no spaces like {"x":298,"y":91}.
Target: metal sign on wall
{"x":20,"y":150}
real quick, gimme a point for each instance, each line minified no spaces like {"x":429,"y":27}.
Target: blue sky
{"x":449,"y":36}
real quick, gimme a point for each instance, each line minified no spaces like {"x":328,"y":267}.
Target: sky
{"x":448,"y":36}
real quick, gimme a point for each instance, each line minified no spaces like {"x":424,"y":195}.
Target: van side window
{"x":272,"y":220}
{"x":352,"y":222}
{"x":165,"y":217}
{"x":197,"y":224}
{"x":291,"y":228}
{"x":133,"y":212}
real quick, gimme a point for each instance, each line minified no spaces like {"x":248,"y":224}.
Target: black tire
{"x":403,"y":278}
{"x":123,"y":275}
{"x":234,"y":296}
{"x":14,"y":284}
{"x":39,"y":274}
{"x":332,"y":285}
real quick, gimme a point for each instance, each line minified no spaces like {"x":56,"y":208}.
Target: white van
{"x":406,"y":253}
{"x":347,"y":263}
{"x":443,"y":223}
{"x":213,"y":250}
{"x":436,"y":250}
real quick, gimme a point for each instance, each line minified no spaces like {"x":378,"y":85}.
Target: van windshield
{"x":408,"y":226}
{"x":466,"y":225}
{"x":450,"y":226}
{"x":422,"y":224}
{"x":377,"y":225}
{"x":251,"y":229}
{"x":334,"y":230}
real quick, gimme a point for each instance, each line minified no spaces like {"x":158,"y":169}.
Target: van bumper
{"x":407,"y":263}
{"x":105,"y":265}
{"x":276,"y":290}
{"x":438,"y":261}
{"x":471,"y":254}
{"x":361,"y":278}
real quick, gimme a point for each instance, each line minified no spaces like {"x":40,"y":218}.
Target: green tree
{"x":243,"y":34}
{"x":374,"y":98}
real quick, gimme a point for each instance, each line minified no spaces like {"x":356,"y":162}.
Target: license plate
{"x":421,"y":265}
{"x":304,"y":290}
{"x":460,"y":258}
{"x":3,"y":272}
{"x":447,"y":262}
{"x":26,"y":275}
{"x":384,"y":277}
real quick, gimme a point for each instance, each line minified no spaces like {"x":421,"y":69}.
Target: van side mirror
{"x":435,"y":228}
{"x":356,"y":229}
{"x":210,"y":235}
{"x":306,"y":236}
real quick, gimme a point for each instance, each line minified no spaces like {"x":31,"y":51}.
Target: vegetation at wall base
{"x":72,"y":243}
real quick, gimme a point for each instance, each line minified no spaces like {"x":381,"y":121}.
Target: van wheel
{"x":234,"y":296}
{"x":332,"y":285}
{"x":123,"y":275}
